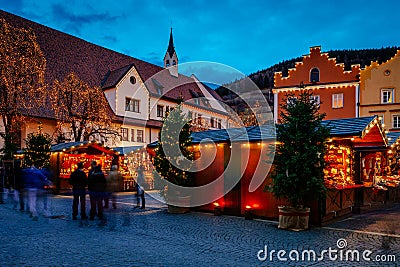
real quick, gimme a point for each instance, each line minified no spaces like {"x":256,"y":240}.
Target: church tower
{"x":170,"y":58}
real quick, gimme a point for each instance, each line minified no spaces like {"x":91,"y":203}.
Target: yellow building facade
{"x":380,"y":92}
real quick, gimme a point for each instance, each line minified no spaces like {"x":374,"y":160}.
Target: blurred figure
{"x":46,"y":190}
{"x":79,"y":181}
{"x":139,"y":187}
{"x":97,"y":185}
{"x":34,"y":181}
{"x":114,"y":182}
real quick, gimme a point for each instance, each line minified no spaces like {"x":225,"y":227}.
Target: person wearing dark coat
{"x":20,"y":185}
{"x":97,"y":186}
{"x":79,"y":181}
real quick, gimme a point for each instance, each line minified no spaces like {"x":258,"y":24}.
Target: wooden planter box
{"x":293,"y":218}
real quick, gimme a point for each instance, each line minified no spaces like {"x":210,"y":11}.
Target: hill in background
{"x":264,"y":79}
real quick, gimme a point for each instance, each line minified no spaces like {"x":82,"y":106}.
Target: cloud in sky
{"x":247,"y":35}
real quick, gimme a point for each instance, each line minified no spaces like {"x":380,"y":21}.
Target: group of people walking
{"x":101,"y":190}
{"x":30,"y":184}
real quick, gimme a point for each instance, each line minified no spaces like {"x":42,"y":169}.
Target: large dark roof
{"x":95,"y":65}
{"x":66,"y":53}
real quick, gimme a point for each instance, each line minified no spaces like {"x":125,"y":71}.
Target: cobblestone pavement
{"x":152,"y":237}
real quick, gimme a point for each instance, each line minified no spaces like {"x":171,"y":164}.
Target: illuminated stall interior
{"x":355,"y":145}
{"x":65,"y":157}
{"x":130,"y":160}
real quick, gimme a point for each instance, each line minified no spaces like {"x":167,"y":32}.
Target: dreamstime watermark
{"x":338,"y":253}
{"x":167,"y":85}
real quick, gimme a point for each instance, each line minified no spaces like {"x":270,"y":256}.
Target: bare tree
{"x":82,"y":109}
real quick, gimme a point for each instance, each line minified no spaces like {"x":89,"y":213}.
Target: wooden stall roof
{"x":349,"y":126}
{"x":364,"y":130}
{"x":123,"y":150}
{"x":83,"y":146}
{"x":393,"y":137}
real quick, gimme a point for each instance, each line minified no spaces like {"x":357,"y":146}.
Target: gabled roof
{"x":170,"y":86}
{"x":112,"y":78}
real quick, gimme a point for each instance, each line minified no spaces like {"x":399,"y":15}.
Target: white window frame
{"x":140,"y":136}
{"x":213,"y":122}
{"x":396,"y":122}
{"x":386,"y":99}
{"x":337,"y":100}
{"x":124,"y":134}
{"x":160,"y":111}
{"x":132,"y":135}
{"x":132,"y":105}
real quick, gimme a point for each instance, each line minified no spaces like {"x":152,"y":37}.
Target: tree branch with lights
{"x":82,"y":109}
{"x":163,"y":163}
{"x":22,"y":84}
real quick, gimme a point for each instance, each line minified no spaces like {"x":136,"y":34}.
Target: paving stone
{"x":132,"y":237}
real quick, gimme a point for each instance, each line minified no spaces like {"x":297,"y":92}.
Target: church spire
{"x":170,"y":58}
{"x":171,"y":47}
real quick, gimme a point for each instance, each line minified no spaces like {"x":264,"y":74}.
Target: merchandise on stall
{"x":70,"y":161}
{"x":338,"y":169}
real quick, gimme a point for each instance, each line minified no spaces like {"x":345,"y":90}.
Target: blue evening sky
{"x":246,"y":35}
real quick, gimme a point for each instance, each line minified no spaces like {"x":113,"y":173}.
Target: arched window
{"x":173,"y":63}
{"x":314,"y":75}
{"x":167,"y":63}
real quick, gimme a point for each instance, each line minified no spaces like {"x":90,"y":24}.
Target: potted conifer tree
{"x":299,"y":160}
{"x":167,"y":165}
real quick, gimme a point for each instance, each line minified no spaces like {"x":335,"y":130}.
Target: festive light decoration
{"x":81,"y":109}
{"x":162,"y":163}
{"x":22,"y":86}
{"x":38,"y":148}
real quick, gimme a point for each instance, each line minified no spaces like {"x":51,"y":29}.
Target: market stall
{"x":351,"y":140}
{"x":353,"y":162}
{"x":132,"y":159}
{"x":65,"y":157}
{"x":382,"y":169}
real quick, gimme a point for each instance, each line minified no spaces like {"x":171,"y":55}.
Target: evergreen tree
{"x":168,"y":166}
{"x":38,"y":148}
{"x":299,"y":158}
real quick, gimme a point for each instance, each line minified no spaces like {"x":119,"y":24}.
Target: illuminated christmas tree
{"x":167,"y":166}
{"x":38,"y":147}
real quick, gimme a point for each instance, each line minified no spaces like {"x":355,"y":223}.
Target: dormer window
{"x":314,"y":75}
